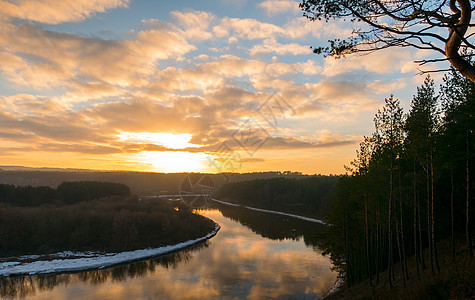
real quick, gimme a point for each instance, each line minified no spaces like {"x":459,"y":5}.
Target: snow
{"x":225,"y":203}
{"x":87,"y":260}
{"x":335,"y":287}
{"x":273,"y":212}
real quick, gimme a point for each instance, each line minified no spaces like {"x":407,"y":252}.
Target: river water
{"x":255,"y":255}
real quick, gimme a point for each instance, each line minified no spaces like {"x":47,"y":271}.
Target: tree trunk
{"x":452,"y":46}
{"x":347,"y":255}
{"x":398,"y":241}
{"x":434,"y":245}
{"x":368,"y":269}
{"x":402,"y":226}
{"x":421,"y":245}
{"x":416,"y":254}
{"x":390,"y":257}
{"x":467,"y":204}
{"x":378,"y":239}
{"x":452,"y":211}
{"x":429,"y":230}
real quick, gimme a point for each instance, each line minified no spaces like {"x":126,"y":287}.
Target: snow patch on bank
{"x":338,"y":284}
{"x":272,"y":212}
{"x":68,"y":261}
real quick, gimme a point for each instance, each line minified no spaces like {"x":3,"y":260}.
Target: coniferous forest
{"x":409,"y":187}
{"x":306,"y":196}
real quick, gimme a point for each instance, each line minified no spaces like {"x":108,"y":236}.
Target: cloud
{"x":195,"y":23}
{"x":143,"y":115}
{"x":37,"y":57}
{"x":77,"y":93}
{"x":233,"y":66}
{"x":272,"y":46}
{"x":250,"y":29}
{"x":300,"y":28}
{"x":286,"y":143}
{"x":386,"y":61}
{"x":31,"y":105}
{"x":21,"y":72}
{"x":275,"y":7}
{"x":55,"y":12}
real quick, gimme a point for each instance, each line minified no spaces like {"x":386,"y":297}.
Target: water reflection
{"x":275,"y":227}
{"x":22,"y":286}
{"x":236,"y":263}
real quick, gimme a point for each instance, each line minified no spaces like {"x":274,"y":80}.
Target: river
{"x":255,"y":255}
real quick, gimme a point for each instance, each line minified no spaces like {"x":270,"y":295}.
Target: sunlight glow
{"x":173,"y":161}
{"x":169,"y":140}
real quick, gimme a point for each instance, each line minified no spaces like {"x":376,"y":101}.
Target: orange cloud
{"x":37,"y":57}
{"x":55,"y":12}
{"x":272,"y":46}
{"x":275,"y":7}
{"x":195,"y":23}
{"x":383,"y":62}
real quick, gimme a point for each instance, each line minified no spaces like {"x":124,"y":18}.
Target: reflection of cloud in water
{"x":237,"y":263}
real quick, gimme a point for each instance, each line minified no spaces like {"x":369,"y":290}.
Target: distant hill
{"x":21,"y":168}
{"x":143,"y":183}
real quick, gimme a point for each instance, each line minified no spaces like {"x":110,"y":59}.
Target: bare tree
{"x":381,"y":24}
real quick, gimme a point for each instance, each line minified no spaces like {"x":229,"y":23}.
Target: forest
{"x":111,"y":225}
{"x":303,"y":195}
{"x":409,"y":188}
{"x":90,"y":216}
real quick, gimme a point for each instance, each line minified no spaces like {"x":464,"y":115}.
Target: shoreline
{"x":83,"y":261}
{"x":335,"y":288}
{"x":313,"y":220}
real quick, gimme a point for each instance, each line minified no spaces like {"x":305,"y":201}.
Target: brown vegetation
{"x":107,"y":224}
{"x":456,"y":279}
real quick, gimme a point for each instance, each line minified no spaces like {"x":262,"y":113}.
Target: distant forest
{"x":66,"y":193}
{"x":142,"y":183}
{"x":308,"y":195}
{"x":410,"y":185}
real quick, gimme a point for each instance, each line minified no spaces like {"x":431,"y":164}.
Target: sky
{"x":186,"y":86}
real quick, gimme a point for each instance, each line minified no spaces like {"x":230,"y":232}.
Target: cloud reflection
{"x":237,"y":263}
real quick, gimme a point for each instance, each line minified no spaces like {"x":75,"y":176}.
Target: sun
{"x":166,"y":161}
{"x":173,"y":161}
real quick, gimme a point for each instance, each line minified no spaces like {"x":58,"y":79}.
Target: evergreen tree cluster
{"x":66,"y":193}
{"x":410,"y":185}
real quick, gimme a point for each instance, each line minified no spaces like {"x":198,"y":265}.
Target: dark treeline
{"x":143,"y":183}
{"x":308,"y":195}
{"x":66,"y":193}
{"x":73,"y":192}
{"x":411,"y":185}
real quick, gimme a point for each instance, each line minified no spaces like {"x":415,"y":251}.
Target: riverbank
{"x":313,"y":220}
{"x":78,"y":261}
{"x":456,"y":279}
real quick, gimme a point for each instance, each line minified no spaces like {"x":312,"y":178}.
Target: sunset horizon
{"x":221,"y":86}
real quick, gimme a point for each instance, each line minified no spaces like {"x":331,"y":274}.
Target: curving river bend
{"x":255,"y":255}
